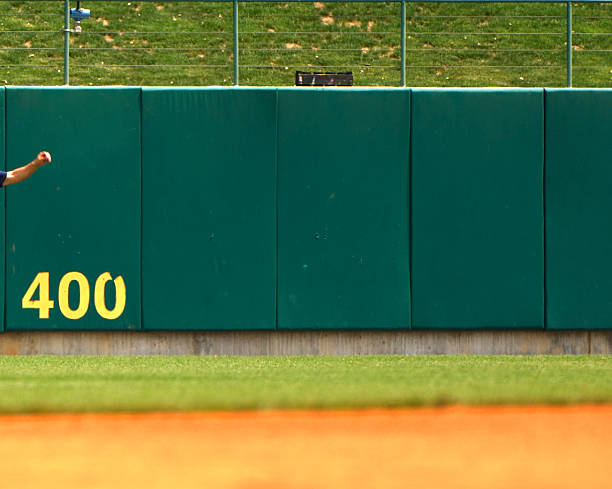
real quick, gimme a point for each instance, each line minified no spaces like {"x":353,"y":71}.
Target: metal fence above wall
{"x":396,"y":43}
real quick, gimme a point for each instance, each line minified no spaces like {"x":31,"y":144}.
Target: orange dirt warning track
{"x":458,"y":447}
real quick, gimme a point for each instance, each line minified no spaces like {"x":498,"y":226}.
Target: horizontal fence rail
{"x":396,"y":43}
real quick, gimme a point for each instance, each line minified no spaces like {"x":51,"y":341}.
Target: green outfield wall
{"x":209,"y":208}
{"x":289,"y":209}
{"x":3,"y":203}
{"x":343,"y":227}
{"x":579,"y":208}
{"x":80,"y":217}
{"x":477,"y":209}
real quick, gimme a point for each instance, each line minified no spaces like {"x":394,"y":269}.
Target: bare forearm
{"x":23,"y":173}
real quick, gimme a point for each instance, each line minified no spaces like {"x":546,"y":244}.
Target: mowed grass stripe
{"x":46,"y":384}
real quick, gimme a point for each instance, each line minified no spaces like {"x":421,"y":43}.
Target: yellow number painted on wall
{"x":43,"y":304}
{"x":62,"y":294}
{"x":120,"y":296}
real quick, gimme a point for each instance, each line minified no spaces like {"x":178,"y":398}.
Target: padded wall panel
{"x":579,"y":208}
{"x":2,"y":201}
{"x":343,"y":208}
{"x":79,"y":215}
{"x":209,"y":223}
{"x":477,"y":209}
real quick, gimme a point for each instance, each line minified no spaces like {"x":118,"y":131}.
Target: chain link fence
{"x":265,"y":43}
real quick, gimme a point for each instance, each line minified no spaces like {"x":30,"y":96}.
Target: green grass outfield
{"x":46,"y":384}
{"x":191,"y":43}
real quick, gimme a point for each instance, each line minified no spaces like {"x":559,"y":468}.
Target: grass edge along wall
{"x":260,"y":172}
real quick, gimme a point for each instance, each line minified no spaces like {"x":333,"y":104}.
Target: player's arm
{"x":23,"y":173}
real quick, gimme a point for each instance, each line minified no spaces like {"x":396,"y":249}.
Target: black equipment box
{"x":304,"y":79}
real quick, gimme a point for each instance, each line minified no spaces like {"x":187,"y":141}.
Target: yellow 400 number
{"x":44,"y":304}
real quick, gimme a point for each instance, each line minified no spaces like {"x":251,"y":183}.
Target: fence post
{"x":66,"y":41}
{"x":236,"y":42}
{"x":403,"y":54}
{"x":569,"y":44}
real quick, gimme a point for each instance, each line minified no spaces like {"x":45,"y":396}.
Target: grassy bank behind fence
{"x":37,"y":384}
{"x":145,"y":43}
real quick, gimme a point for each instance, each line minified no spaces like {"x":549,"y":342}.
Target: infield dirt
{"x":456,"y":447}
